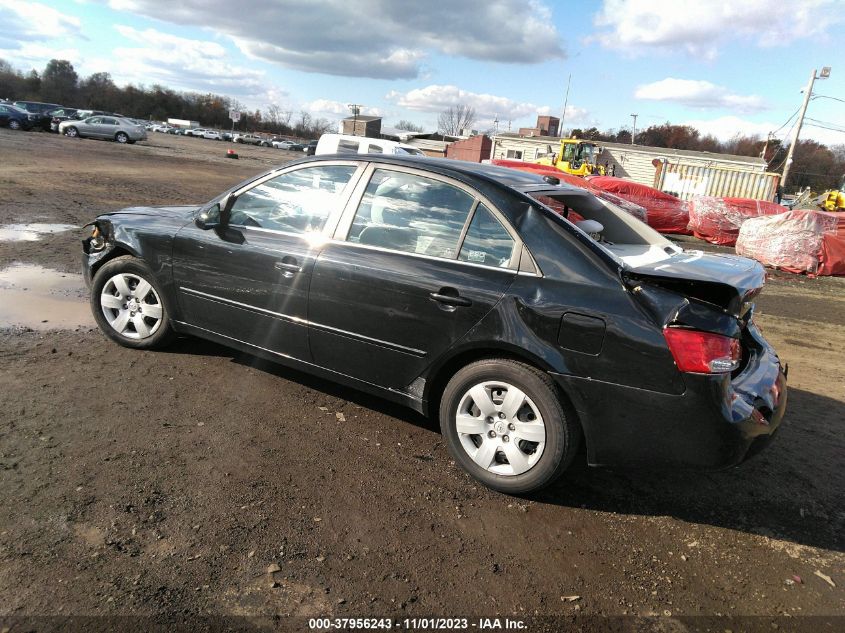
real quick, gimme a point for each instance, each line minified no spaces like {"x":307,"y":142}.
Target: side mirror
{"x":206,"y":220}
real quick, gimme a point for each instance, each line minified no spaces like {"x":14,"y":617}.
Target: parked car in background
{"x":15,"y":118}
{"x":463,"y":291}
{"x":292,"y":146}
{"x":118,"y":129}
{"x":249,"y":139}
{"x":62,"y":114}
{"x":310,"y":148}
{"x":213,"y":135}
{"x":197,"y":131}
{"x":39,"y":109}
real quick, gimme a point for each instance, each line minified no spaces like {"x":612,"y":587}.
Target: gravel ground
{"x":199,"y":482}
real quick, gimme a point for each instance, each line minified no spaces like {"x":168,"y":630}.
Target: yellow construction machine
{"x":576,"y":157}
{"x":833,"y":200}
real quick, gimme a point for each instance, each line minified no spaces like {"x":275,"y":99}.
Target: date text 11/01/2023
{"x":417,"y":624}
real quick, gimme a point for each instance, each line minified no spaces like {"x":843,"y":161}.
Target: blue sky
{"x":721,"y":65}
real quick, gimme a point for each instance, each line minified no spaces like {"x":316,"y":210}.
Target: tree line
{"x":59,"y":83}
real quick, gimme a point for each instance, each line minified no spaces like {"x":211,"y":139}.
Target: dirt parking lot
{"x":166,"y":484}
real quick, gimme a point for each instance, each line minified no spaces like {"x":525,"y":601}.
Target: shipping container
{"x":686,"y":181}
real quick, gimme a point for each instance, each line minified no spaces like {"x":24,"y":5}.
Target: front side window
{"x":94,"y":121}
{"x":412,"y":214}
{"x":295,"y":202}
{"x":487,"y":242}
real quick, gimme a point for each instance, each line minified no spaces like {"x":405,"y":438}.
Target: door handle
{"x":287,"y":267}
{"x":450,"y":299}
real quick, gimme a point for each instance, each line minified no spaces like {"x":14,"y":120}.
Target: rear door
{"x":249,"y":281}
{"x":417,"y":261}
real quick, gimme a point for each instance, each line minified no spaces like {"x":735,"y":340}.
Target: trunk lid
{"x":727,"y":282}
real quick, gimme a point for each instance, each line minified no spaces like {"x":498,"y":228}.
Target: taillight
{"x":703,"y":352}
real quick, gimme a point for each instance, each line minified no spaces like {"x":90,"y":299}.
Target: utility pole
{"x":565,"y":103}
{"x":766,"y":146}
{"x":808,"y":91}
{"x":356,"y":110}
{"x":634,"y":130}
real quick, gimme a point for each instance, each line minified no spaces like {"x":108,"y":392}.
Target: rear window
{"x":347,"y":147}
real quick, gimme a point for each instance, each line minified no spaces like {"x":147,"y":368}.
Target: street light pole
{"x":634,"y":131}
{"x":808,"y":92}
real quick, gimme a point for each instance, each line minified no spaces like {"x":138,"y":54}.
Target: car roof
{"x":523,"y":181}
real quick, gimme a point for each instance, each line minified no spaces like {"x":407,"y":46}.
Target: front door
{"x":248,"y":280}
{"x":423,"y":261}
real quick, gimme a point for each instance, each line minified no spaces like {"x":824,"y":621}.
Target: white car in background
{"x":213,"y":135}
{"x":197,"y":131}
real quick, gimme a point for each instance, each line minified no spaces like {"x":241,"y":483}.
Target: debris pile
{"x":800,"y":241}
{"x":717,"y":220}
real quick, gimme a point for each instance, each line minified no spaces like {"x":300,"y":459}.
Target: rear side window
{"x":487,"y":242}
{"x":412,"y":214}
{"x":296,"y":202}
{"x":347,"y":147}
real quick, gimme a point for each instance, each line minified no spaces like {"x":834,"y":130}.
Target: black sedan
{"x":456,"y":289}
{"x":16,"y":118}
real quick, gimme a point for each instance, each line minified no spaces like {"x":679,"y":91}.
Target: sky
{"x":723,"y":66}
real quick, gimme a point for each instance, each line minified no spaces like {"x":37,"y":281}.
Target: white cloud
{"x":184,"y":64}
{"x":380,"y":39}
{"x":437,"y":98}
{"x":327,"y":107}
{"x":699,"y":27}
{"x":37,"y":55}
{"x":33,"y":21}
{"x":699,"y":94}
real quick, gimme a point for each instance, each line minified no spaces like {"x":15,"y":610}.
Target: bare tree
{"x":455,"y":119}
{"x":409,"y":126}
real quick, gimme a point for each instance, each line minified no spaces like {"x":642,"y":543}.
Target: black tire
{"x":131,"y":266}
{"x":14,"y":125}
{"x":72,"y":132}
{"x":563,"y":432}
{"x":121,"y":137}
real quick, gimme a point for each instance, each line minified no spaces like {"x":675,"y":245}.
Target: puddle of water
{"x":43,"y":299}
{"x":31,"y":232}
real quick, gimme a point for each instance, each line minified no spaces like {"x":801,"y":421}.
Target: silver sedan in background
{"x":115,"y":128}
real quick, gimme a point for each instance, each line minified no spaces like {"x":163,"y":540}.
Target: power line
{"x":824,"y":127}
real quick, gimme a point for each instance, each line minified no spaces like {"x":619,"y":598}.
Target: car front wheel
{"x":127,"y":304}
{"x":504,"y":422}
{"x":72,"y":132}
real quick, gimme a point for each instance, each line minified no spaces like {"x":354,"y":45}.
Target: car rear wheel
{"x":505,"y":424}
{"x":121,"y":137}
{"x":14,"y":125}
{"x":128,"y":306}
{"x":72,"y":132}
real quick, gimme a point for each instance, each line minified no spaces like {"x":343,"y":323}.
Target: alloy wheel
{"x":500,"y":428}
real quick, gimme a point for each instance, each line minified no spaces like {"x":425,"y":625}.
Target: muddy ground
{"x":164,"y":484}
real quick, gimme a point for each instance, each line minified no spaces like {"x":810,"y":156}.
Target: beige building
{"x":634,"y":162}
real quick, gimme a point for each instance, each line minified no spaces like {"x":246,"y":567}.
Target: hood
{"x":187,"y":211}
{"x":726,"y":281}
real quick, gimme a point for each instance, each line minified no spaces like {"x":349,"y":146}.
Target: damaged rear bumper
{"x":716,"y":423}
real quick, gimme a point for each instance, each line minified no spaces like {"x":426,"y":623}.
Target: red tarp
{"x":666,"y":213}
{"x":634,"y":209}
{"x":717,"y":220}
{"x":801,"y":241}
